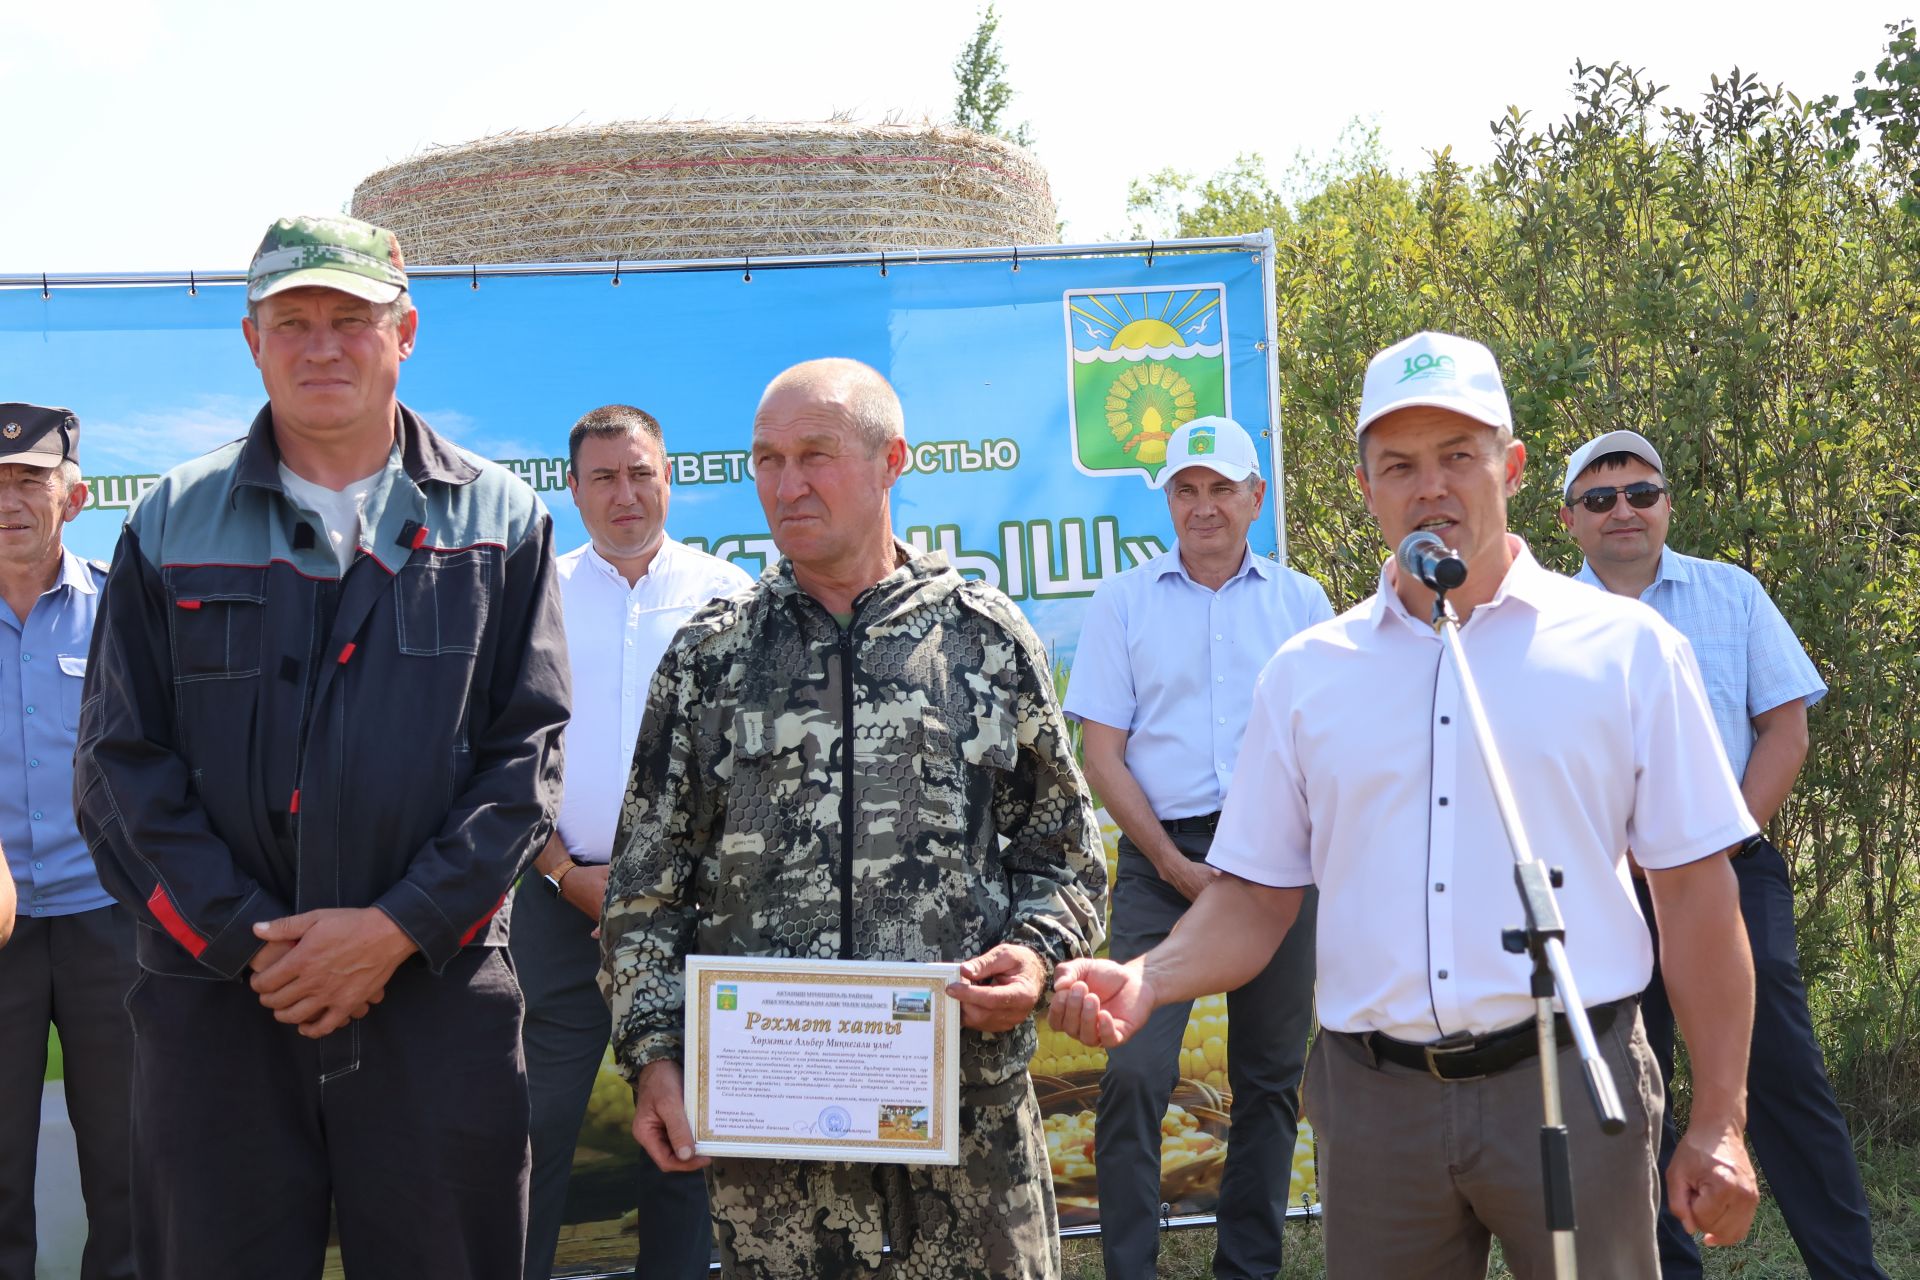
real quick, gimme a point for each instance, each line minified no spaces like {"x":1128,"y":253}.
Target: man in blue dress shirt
{"x":1760,"y":683}
{"x":71,"y":960}
{"x":1162,"y":684}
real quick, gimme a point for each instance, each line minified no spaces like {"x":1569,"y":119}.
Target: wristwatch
{"x":553,"y":881}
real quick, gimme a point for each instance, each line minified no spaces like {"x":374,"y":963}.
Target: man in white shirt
{"x":1360,"y":775}
{"x":625,"y":593}
{"x":1161,"y":685}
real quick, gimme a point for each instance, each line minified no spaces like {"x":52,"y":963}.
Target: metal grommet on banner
{"x":193,"y":286}
{"x":44,"y":291}
{"x":747,"y":275}
{"x":883,"y":264}
{"x":1151,"y":246}
{"x":476,"y":275}
{"x":1016,"y":257}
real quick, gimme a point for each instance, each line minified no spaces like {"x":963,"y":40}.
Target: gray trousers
{"x":564,"y":1036}
{"x":1269,"y":1019}
{"x":71,"y":972}
{"x":1418,"y":1174}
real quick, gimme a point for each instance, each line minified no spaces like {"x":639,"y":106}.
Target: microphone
{"x":1427,"y":558}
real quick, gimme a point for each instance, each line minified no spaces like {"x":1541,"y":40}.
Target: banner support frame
{"x":894,"y":259}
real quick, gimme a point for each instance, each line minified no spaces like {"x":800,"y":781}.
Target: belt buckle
{"x":1462,"y":1042}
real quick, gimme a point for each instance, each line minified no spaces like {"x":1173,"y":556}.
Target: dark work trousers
{"x":1268,"y":1021}
{"x":565,"y":1036}
{"x":1795,"y":1124}
{"x":73,"y":972}
{"x":410,"y":1124}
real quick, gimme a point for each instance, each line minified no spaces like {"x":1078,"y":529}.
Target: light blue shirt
{"x":1174,"y":664}
{"x":43,"y":665}
{"x":1748,"y":654}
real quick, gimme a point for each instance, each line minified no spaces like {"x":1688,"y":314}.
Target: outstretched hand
{"x":1098,"y":1002}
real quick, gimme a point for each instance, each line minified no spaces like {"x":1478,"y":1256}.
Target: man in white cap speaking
{"x":1162,"y":682}
{"x":1617,"y":504}
{"x":1360,"y":775}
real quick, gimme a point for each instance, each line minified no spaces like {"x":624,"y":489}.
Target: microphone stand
{"x":1543,"y":938}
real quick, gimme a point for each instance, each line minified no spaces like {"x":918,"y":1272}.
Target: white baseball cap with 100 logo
{"x":1439,"y":370}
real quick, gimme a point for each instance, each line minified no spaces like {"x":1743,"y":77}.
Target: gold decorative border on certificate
{"x":704,"y":1132}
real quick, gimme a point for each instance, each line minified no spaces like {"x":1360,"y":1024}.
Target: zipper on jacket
{"x":326,"y":605}
{"x":846,"y":792}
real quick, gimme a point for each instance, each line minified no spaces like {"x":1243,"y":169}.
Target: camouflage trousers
{"x":990,"y":1217}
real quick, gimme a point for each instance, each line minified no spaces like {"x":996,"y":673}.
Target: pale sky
{"x":148,"y":135}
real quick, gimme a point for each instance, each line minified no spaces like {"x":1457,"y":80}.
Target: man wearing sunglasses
{"x":1760,"y":684}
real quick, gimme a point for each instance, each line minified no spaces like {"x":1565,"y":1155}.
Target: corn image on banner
{"x":1039,"y":396}
{"x":1194,"y":1133}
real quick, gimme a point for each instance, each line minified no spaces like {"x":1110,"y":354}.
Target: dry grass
{"x":688,"y":189}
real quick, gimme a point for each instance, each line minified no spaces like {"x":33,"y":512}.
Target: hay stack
{"x":697,"y":190}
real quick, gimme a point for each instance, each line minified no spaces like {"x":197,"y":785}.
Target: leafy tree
{"x":1891,"y":105}
{"x":984,"y":93}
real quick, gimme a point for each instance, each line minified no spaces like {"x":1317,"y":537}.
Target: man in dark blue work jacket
{"x":320,"y":739}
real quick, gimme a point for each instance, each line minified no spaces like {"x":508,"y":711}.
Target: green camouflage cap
{"x":334,"y":252}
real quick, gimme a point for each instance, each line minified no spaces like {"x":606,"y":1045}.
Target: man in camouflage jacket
{"x":957,"y":829}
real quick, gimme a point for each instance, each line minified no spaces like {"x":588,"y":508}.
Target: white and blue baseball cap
{"x":1218,"y":444}
{"x":1439,"y":370}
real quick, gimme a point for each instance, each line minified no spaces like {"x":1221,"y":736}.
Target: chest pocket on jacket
{"x":215,"y":619}
{"x":441,"y":603}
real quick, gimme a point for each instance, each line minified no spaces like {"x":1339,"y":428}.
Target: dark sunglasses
{"x":1640,"y":495}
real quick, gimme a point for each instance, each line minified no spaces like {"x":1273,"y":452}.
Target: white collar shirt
{"x":616,"y":635}
{"x":1360,"y":774}
{"x":1173,"y":663}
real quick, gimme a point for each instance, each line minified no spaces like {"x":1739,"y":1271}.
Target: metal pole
{"x":894,"y":258}
{"x":1542,"y":938}
{"x":1272,"y":329}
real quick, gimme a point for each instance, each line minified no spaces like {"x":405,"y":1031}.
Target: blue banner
{"x":1039,"y":397}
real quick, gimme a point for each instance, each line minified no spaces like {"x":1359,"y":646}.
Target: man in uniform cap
{"x":1162,"y":681}
{"x":1360,"y":774}
{"x":71,"y":962}
{"x":320,"y":741}
{"x":1616,"y":503}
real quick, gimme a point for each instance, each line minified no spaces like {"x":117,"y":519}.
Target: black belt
{"x":1474,"y":1057}
{"x":1203,"y":825}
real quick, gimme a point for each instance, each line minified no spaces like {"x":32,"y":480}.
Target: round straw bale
{"x":660,"y":189}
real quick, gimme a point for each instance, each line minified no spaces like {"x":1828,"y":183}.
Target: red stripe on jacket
{"x":481,"y":923}
{"x":170,"y":920}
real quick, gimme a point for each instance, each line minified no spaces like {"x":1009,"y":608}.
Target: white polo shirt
{"x":1173,"y":663}
{"x":615,"y":638}
{"x":1360,"y":774}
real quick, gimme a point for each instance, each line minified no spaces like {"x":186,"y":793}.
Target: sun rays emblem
{"x":11,"y":431}
{"x":1144,"y":362}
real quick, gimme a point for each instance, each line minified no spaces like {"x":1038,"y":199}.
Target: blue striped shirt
{"x":1748,"y":654}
